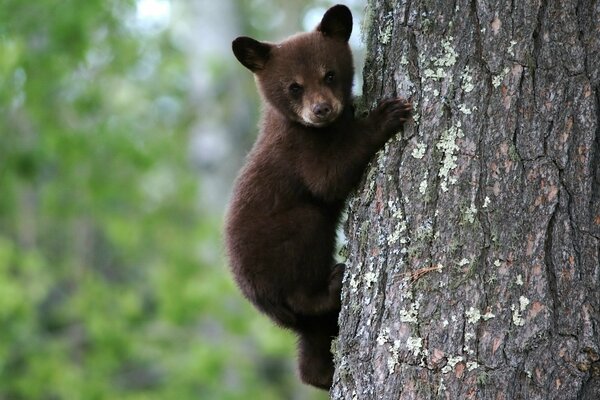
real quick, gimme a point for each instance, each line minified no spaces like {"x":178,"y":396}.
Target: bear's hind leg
{"x":315,"y":358}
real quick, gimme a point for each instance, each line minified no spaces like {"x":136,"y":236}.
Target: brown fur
{"x":311,"y":152}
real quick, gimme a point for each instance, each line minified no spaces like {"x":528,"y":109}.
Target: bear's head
{"x":307,"y":77}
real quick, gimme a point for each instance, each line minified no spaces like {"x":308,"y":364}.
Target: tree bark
{"x":474,"y":251}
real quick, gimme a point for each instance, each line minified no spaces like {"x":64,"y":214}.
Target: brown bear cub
{"x":311,"y":152}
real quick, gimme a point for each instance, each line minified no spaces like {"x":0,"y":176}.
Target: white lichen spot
{"x":452,"y":361}
{"x":441,"y":387}
{"x":415,"y":119}
{"x":397,"y":214}
{"x":511,"y":49}
{"x":385,"y":33}
{"x":517,"y":316}
{"x":393,"y":237}
{"x":497,"y":263}
{"x":471,"y":365}
{"x":436,"y":74}
{"x":523,"y":302}
{"x":468,"y":86}
{"x":406,"y":295}
{"x":414,"y":344}
{"x":519,"y":280}
{"x":486,"y":202}
{"x":463,"y":262}
{"x":410,"y":315}
{"x":353,"y":284}
{"x":465,"y":110}
{"x":445,"y":323}
{"x":383,"y":337}
{"x":487,"y":316}
{"x":419,"y":150}
{"x":370,"y":278}
{"x":423,"y":184}
{"x":473,"y":315}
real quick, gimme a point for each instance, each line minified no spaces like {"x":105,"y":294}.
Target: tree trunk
{"x":474,"y":248}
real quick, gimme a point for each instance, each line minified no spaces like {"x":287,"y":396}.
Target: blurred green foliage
{"x":112,"y":284}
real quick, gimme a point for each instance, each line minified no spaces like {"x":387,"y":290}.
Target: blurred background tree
{"x":122,"y":124}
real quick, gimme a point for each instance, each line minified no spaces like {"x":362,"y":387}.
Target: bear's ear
{"x":251,"y":53}
{"x":337,"y":23}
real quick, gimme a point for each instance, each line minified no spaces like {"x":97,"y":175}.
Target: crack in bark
{"x":537,"y":43}
{"x":550,"y":268}
{"x":477,"y":35}
{"x":518,"y":107}
{"x":407,"y":12}
{"x":579,"y":16}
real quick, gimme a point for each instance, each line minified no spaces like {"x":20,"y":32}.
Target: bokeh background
{"x":122,"y":125}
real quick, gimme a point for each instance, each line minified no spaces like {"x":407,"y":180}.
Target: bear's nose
{"x":322,"y":110}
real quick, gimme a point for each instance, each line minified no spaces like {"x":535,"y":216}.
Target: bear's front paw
{"x":393,"y":113}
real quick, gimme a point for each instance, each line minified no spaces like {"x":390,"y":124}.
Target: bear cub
{"x":311,"y":152}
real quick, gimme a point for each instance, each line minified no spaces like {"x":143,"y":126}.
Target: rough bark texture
{"x":474,"y":246}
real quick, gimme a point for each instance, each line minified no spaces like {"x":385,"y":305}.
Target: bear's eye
{"x":329,"y":77}
{"x":295,"y":89}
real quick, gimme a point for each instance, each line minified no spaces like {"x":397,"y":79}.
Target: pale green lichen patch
{"x":497,"y":80}
{"x":438,"y":65}
{"x":385,"y":31}
{"x":415,"y":345}
{"x":470,"y":213}
{"x":471,"y":365}
{"x":419,"y":150}
{"x":396,"y":235}
{"x":415,"y":119}
{"x":394,"y":357}
{"x":452,"y":361}
{"x":467,"y":80}
{"x":473,"y":315}
{"x":449,"y":148}
{"x":435,"y":74}
{"x":465,"y":110}
{"x":353,"y":281}
{"x":449,"y":56}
